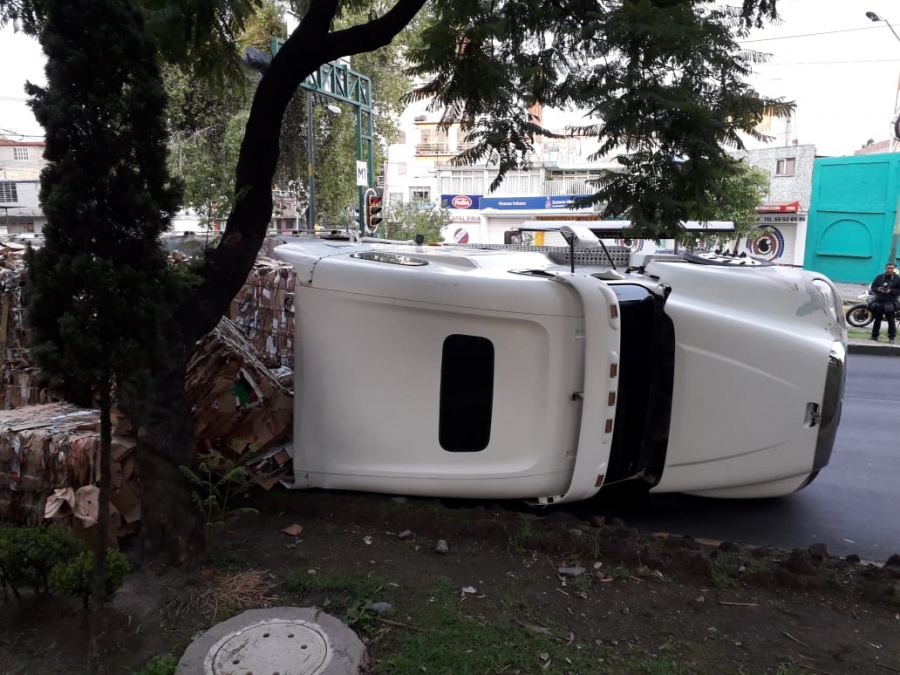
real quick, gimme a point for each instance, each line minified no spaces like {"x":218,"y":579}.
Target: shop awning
{"x":779,"y":207}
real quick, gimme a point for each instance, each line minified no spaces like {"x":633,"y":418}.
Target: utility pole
{"x":895,"y":141}
{"x":310,"y":162}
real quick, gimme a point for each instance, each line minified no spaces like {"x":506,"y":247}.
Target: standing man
{"x":885,"y":289}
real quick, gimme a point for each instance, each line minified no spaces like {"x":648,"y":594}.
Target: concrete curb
{"x":873,"y":348}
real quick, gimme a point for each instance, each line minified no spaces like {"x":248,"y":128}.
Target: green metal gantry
{"x":336,"y":80}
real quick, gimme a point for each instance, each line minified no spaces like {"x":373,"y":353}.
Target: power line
{"x":16,"y":133}
{"x":805,"y":35}
{"x":828,"y":63}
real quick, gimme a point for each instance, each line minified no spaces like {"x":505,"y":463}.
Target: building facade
{"x":21,"y":160}
{"x":20,"y":209}
{"x":782,"y":218}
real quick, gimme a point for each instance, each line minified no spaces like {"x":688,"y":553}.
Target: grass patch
{"x":357,"y":585}
{"x":448,"y":637}
{"x":518,"y":540}
{"x":159,"y":665}
{"x":448,"y":641}
{"x":720,"y":576}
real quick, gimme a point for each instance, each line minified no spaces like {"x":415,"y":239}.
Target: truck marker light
{"x":612,"y":398}
{"x":609,"y":426}
{"x":614,"y":311}
{"x":599,"y":481}
{"x":613,"y":369}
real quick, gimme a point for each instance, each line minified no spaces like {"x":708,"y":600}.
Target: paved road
{"x":852,"y":507}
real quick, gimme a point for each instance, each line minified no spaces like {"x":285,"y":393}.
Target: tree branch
{"x":373,"y":35}
{"x":318,"y":19}
{"x":310,"y":46}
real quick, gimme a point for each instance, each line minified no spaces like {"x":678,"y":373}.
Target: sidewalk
{"x":866,"y":346}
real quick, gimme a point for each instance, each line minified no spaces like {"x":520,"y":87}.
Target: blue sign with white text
{"x":529,"y":203}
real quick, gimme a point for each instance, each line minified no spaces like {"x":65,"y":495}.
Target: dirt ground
{"x":506,"y":597}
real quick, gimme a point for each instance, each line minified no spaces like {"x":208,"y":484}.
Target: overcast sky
{"x":842,"y":69}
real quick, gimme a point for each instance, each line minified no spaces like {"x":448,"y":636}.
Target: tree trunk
{"x":98,"y":587}
{"x":170,"y":526}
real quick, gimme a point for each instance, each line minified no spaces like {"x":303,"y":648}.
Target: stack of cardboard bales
{"x":20,"y":381}
{"x":49,"y":467}
{"x":242,"y":409}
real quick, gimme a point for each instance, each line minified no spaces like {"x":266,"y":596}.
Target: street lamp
{"x":311,"y":156}
{"x":872,"y":16}
{"x":892,"y":257}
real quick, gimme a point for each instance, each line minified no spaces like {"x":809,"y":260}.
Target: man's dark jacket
{"x":886,"y":298}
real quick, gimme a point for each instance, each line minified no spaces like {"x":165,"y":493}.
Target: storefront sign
{"x":779,"y":207}
{"x":460,"y":201}
{"x":529,"y":203}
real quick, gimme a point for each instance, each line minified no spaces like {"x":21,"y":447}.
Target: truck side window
{"x":467,"y":393}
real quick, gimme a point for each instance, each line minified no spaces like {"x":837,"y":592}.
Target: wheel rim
{"x":859,"y":316}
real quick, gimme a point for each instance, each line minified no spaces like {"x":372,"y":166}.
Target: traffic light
{"x":373,"y":208}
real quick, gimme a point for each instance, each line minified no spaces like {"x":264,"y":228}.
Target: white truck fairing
{"x":460,"y":372}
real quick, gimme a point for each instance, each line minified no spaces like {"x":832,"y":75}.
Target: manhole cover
{"x":276,"y":647}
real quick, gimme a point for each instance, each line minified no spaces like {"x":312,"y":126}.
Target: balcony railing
{"x":423,"y":149}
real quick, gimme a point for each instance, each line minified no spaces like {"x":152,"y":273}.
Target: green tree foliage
{"x":207,"y":116}
{"x":205,"y":126}
{"x":662,"y":80}
{"x":739,"y":196}
{"x":100,"y":288}
{"x":405,"y":221}
{"x":735,"y":199}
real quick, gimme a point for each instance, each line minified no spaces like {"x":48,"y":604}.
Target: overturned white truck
{"x":499,"y":373}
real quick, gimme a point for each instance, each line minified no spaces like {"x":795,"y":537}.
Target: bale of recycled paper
{"x":238,"y":404}
{"x":20,"y":381}
{"x":263,"y":310}
{"x":49,"y":463}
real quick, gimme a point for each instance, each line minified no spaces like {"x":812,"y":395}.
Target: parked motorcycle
{"x":860,"y":316}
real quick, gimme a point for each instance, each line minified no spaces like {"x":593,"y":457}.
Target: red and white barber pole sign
{"x":461,"y":236}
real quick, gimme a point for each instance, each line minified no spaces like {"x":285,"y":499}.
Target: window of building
{"x":8,"y":192}
{"x":463,"y":183}
{"x":467,"y":393}
{"x":785,"y":167}
{"x":20,"y":154}
{"x":21,"y":227}
{"x":420,"y":194}
{"x":401,"y":168}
